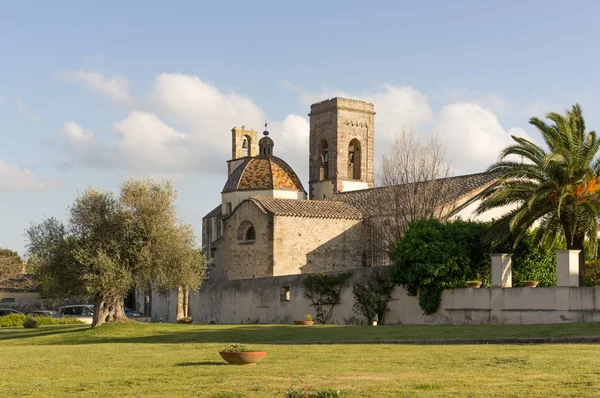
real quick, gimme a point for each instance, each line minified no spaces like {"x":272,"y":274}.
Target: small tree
{"x":414,"y":173}
{"x":111,"y":244}
{"x":371,"y":298}
{"x":323,"y":291}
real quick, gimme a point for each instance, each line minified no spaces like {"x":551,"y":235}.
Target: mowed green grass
{"x":163,"y":360}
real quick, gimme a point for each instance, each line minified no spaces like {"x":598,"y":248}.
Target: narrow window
{"x":246,"y":141}
{"x":354,"y":160}
{"x":284,"y":293}
{"x":250,"y":234}
{"x":324,"y":162}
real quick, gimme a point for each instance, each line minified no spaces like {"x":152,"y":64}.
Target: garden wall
{"x":262,"y":300}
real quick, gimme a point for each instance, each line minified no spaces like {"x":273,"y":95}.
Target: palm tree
{"x":554,"y":190}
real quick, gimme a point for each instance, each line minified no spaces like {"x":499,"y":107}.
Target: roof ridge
{"x":410,"y":183}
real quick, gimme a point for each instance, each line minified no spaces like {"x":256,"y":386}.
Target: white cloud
{"x":146,"y":143}
{"x":21,"y":106}
{"x":84,"y":149}
{"x":473,"y":135}
{"x":13,"y":177}
{"x":115,"y":87}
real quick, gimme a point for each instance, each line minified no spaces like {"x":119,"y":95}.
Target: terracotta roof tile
{"x":369,"y":201}
{"x":23,"y":284}
{"x":263,"y":172}
{"x":307,"y":208}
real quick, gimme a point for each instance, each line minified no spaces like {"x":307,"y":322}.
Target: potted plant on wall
{"x":530,"y":283}
{"x":307,"y":321}
{"x":239,"y":354}
{"x":474,"y":284}
{"x":186,"y":320}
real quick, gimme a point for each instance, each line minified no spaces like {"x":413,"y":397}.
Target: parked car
{"x":42,"y":313}
{"x":9,"y":311}
{"x":132,"y":314}
{"x":83,"y":312}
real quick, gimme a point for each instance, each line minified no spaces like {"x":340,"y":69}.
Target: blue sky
{"x":91,"y":94}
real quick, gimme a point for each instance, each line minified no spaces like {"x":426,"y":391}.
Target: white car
{"x":85,"y":313}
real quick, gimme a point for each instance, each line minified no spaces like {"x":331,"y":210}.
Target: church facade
{"x":268,"y":225}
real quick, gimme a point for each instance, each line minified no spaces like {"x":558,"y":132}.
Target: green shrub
{"x":237,"y":347}
{"x":433,"y":256}
{"x":531,"y":262}
{"x":308,"y":317}
{"x":19,"y":319}
{"x":31,"y":322}
{"x":12,"y":320}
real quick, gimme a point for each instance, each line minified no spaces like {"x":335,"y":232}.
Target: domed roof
{"x":263,"y":172}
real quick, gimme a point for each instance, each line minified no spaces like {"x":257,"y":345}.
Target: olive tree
{"x":111,"y":244}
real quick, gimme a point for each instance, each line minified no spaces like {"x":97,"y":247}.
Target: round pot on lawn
{"x":474,"y":284}
{"x":31,"y":325}
{"x":243,"y":358}
{"x":306,"y":323}
{"x":530,"y":283}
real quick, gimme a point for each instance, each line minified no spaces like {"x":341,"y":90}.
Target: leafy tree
{"x":111,"y":244}
{"x":11,"y":265}
{"x":557,"y":188}
{"x":434,"y":256}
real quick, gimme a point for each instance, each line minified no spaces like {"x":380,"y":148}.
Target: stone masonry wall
{"x":260,"y":300}
{"x":245,"y":260}
{"x":307,"y":245}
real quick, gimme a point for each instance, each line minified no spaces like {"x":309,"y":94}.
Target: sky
{"x":94,"y":93}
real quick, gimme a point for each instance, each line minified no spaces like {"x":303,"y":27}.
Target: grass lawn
{"x":164,"y":360}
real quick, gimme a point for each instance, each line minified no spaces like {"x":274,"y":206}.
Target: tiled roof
{"x":371,"y":201}
{"x":307,"y":208}
{"x":23,"y":284}
{"x":263,"y":172}
{"x":214,"y":212}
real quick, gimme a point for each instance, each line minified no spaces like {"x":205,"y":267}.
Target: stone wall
{"x":259,"y":300}
{"x":307,"y":245}
{"x":243,"y":260}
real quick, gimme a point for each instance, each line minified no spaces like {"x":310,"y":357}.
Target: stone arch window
{"x":324,"y":161}
{"x":246,"y":143}
{"x":354,"y":158}
{"x":246,"y":232}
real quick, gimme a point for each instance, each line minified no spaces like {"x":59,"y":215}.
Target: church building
{"x":268,"y":225}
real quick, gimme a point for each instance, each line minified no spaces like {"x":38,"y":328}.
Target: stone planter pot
{"x":185,"y":321}
{"x":305,"y":323}
{"x":530,"y":283}
{"x":474,"y":284}
{"x":31,"y":325}
{"x":243,"y":358}
{"x":597,"y":283}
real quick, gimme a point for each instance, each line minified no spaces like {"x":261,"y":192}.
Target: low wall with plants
{"x":358,"y":296}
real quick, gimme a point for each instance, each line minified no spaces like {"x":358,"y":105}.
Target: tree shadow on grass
{"x":205,"y":363}
{"x":40,"y":332}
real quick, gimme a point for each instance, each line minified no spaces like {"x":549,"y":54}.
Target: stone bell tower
{"x":244,"y":143}
{"x":341,"y":146}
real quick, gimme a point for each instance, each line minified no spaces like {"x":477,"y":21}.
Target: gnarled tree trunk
{"x":108,"y":307}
